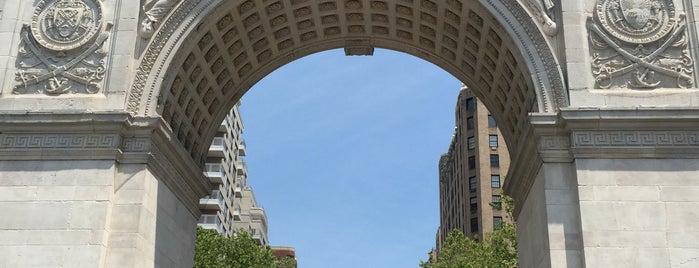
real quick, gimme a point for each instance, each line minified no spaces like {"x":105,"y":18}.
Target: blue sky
{"x":342,"y":153}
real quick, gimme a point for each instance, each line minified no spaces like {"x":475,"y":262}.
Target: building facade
{"x":231,"y":204}
{"x":472,"y":172}
{"x":281,"y":252}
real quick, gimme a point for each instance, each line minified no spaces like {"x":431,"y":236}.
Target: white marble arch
{"x":112,"y":177}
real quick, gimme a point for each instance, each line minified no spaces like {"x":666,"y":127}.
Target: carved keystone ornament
{"x":639,"y":44}
{"x":61,"y":51}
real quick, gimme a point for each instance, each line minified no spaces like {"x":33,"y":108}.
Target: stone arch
{"x":207,"y":54}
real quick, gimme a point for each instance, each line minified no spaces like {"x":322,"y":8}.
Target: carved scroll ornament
{"x":61,"y":51}
{"x":542,"y":10}
{"x":154,"y":12}
{"x":640,"y":44}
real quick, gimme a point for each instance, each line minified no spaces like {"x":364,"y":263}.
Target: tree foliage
{"x":213,"y":250}
{"x":497,"y":250}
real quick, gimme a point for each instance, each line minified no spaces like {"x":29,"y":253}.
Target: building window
{"x":491,"y":121}
{"x":494,"y":160}
{"x":497,"y":223}
{"x":471,"y":143}
{"x":472,"y":184}
{"x":474,"y":205}
{"x":474,"y":225}
{"x":469,"y":123}
{"x":493,"y":141}
{"x":495,"y":181}
{"x":471,"y":162}
{"x":497,"y":203}
{"x":470,"y":105}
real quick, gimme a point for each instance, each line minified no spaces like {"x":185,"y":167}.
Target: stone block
{"x":679,"y":193}
{"x":125,"y":218}
{"x":561,"y":197}
{"x":93,"y":193}
{"x":625,"y":239}
{"x":683,"y":216}
{"x":626,"y":257}
{"x":83,"y":256}
{"x":683,"y":239}
{"x":58,"y":237}
{"x":55,"y":193}
{"x":640,"y":215}
{"x":12,"y":238}
{"x":17,"y":193}
{"x":125,"y":197}
{"x":586,"y":193}
{"x":597,"y":216}
{"x":35,"y":215}
{"x":122,"y":257}
{"x":566,"y":259}
{"x":124,"y":240}
{"x":627,"y":193}
{"x":684,"y":257}
{"x":89,"y":215}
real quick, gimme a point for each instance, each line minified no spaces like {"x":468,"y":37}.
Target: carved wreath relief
{"x":639,"y":44}
{"x":61,"y":51}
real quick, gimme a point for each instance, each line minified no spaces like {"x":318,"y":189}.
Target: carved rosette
{"x":639,"y":44}
{"x":61,"y":50}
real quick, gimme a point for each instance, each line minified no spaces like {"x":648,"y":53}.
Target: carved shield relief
{"x":61,"y":50}
{"x":639,"y":44}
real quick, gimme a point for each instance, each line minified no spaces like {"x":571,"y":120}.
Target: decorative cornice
{"x":635,"y":138}
{"x":58,"y":141}
{"x":118,"y":137}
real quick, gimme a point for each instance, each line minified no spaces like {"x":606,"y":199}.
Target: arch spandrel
{"x":207,"y":54}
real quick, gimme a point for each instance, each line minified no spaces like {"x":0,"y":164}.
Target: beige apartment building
{"x":472,"y":172}
{"x":231,"y":205}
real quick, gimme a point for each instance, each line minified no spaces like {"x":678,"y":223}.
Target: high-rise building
{"x":231,"y":205}
{"x":472,"y":172}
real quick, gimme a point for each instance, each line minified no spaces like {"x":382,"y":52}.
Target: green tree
{"x":213,"y":250}
{"x":497,"y":250}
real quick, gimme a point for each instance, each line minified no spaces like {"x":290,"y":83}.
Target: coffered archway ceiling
{"x":207,"y":55}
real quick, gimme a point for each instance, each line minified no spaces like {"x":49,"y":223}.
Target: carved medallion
{"x":636,"y":21}
{"x":61,"y":51}
{"x":66,"y":24}
{"x":639,"y":44}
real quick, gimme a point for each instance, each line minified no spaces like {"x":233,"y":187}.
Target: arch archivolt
{"x":207,"y":54}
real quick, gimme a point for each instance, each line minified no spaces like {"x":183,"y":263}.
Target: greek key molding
{"x":136,"y":145}
{"x":587,"y":139}
{"x":58,"y":141}
{"x":554,"y":143}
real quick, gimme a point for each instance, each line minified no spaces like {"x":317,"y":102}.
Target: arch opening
{"x":223,"y":48}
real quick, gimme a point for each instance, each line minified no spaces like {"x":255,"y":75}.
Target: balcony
{"x":212,"y":201}
{"x":209,"y":222}
{"x":241,"y":148}
{"x":236,"y":213}
{"x":218,"y":147}
{"x":238,"y":191}
{"x":214,"y":172}
{"x":242,"y":168}
{"x":258,"y":236}
{"x":258,"y":213}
